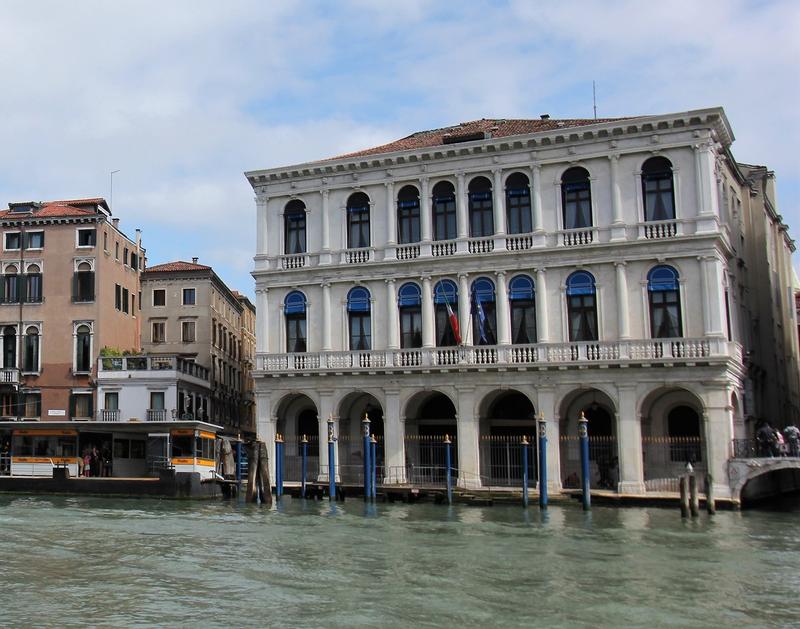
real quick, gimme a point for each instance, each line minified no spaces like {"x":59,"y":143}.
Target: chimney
{"x":138,"y":238}
{"x":545,"y":116}
{"x":194,"y":260}
{"x":116,"y":223}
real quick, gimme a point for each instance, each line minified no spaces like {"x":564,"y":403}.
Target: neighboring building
{"x":188,"y":311}
{"x":247,"y":411}
{"x":69,"y":287}
{"x":615,"y":268}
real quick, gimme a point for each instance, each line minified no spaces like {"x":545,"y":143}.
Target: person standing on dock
{"x":792,"y":436}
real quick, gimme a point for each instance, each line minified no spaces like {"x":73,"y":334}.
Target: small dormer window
{"x":87,"y":237}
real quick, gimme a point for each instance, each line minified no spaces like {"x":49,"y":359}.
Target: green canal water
{"x":94,"y":562}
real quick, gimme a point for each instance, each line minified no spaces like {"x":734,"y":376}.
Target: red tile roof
{"x":177,"y":266}
{"x":495,"y":128}
{"x":57,"y":209}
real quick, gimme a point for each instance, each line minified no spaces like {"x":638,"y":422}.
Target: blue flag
{"x":477,"y":309}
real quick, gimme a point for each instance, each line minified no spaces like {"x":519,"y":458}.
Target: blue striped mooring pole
{"x":524,"y":471}
{"x":447,"y":444}
{"x":583,"y":432}
{"x":305,"y":467}
{"x":238,"y":445}
{"x":367,"y":464}
{"x":331,"y":461}
{"x":278,"y":465}
{"x":542,"y":428}
{"x":374,"y":472}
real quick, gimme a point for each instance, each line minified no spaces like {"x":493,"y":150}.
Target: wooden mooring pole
{"x":264,"y":487}
{"x":683,"y":485}
{"x":711,"y":502}
{"x":251,"y":495}
{"x":694,"y":500}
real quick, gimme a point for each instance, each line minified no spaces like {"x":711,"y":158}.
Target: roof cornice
{"x":713,"y":118}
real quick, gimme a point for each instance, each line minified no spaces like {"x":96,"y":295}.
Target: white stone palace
{"x":628,"y":269}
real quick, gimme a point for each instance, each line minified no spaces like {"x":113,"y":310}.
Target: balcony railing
{"x":109,"y":415}
{"x":152,"y":363}
{"x":645,"y":351}
{"x":9,"y":376}
{"x":658,"y":230}
{"x":157,"y":415}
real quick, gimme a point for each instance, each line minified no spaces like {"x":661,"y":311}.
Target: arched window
{"x":31,"y":354}
{"x":9,"y":347}
{"x":83,"y":283}
{"x":10,"y":286}
{"x":582,"y":307}
{"x":83,"y":348}
{"x":445,"y":299}
{"x":576,"y":198}
{"x":358,"y":221}
{"x":358,"y":314}
{"x":444,"y":211}
{"x":658,"y":190}
{"x":518,"y":204}
{"x":408,"y":215}
{"x":409,"y":302}
{"x":33,"y":284}
{"x":522,"y":299}
{"x":484,"y":319}
{"x":294,"y":218}
{"x":481,"y":219}
{"x":294,"y":309}
{"x":665,"y":304}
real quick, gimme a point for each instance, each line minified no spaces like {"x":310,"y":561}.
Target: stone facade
{"x":597,"y":267}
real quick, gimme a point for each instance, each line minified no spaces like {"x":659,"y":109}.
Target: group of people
{"x":96,"y":462}
{"x":773,"y":442}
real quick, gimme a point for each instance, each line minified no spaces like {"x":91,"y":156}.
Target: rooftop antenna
{"x":594,"y":100}
{"x":111,"y":191}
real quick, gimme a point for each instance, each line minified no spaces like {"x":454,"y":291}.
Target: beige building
{"x":188,"y":311}
{"x":248,"y":360}
{"x":70,"y":285}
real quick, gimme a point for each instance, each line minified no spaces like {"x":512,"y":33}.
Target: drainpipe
{"x":20,"y":297}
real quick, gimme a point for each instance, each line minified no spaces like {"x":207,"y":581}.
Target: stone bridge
{"x":762,"y":470}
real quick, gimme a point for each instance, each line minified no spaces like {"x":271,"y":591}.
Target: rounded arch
{"x":507,"y":404}
{"x":358,"y":199}
{"x":352,"y":409}
{"x":600,"y":409}
{"x":409,"y":294}
{"x":294,"y":206}
{"x":446,"y":291}
{"x":656,"y":165}
{"x":33,"y":268}
{"x":295,"y":303}
{"x":358,"y":299}
{"x":517,"y":181}
{"x":408,"y":192}
{"x":521,"y":287}
{"x":297,"y":417}
{"x":420,"y":405}
{"x":479,"y":184}
{"x":443,"y":188}
{"x":663,"y":277}
{"x":505,"y":417}
{"x":483,"y":290}
{"x":575,"y":174}
{"x":581,"y":283}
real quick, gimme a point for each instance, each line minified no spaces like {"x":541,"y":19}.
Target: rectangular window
{"x":11,"y":288}
{"x":122,"y":448}
{"x":159,"y":297}
{"x":32,"y":405}
{"x":189,"y":297}
{"x":81,"y":405}
{"x":87,"y":237}
{"x":116,"y":250}
{"x":33,"y":288}
{"x":157,"y":400}
{"x":117,"y":296}
{"x":133,"y":304}
{"x":112,"y":401}
{"x":134,"y":261}
{"x":34,"y":240}
{"x":187,"y":331}
{"x":30,"y":357}
{"x":12,"y":241}
{"x":125,"y":256}
{"x":105,"y":241}
{"x":83,"y":286}
{"x":125,"y":296}
{"x":159,"y":332}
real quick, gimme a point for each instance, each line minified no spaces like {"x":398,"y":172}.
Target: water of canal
{"x":103,"y":562}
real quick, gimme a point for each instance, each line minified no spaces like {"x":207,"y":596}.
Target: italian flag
{"x":453,"y":322}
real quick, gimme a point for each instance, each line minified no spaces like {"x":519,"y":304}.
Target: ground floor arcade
{"x":645,"y":425}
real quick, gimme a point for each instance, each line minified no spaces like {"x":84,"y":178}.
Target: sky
{"x":182,"y":97}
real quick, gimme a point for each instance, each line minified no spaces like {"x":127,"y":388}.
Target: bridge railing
{"x":754,"y":449}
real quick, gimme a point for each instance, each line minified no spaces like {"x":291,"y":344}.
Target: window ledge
{"x":30,"y":373}
{"x":82,"y":373}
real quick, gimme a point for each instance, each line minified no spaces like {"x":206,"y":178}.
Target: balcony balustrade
{"x":645,"y":351}
{"x":152,"y":363}
{"x":157,"y":415}
{"x":9,"y":376}
{"x":109,"y":415}
{"x":659,"y":230}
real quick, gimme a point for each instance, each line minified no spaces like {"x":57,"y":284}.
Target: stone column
{"x":713,"y":298}
{"x":623,"y":307}
{"x":462,"y":219}
{"x":498,"y":203}
{"x":718,"y":433}
{"x":391,"y":214}
{"x":325,"y":255}
{"x":394,"y":444}
{"x":468,"y":439}
{"x":428,"y":331}
{"x":464,"y":309}
{"x":547,"y":406}
{"x":261,"y":224}
{"x":617,"y":219}
{"x":262,"y":320}
{"x":326,"y":317}
{"x":502,"y":310}
{"x":706,"y":190}
{"x":539,"y":234}
{"x":542,"y":326}
{"x":326,"y":410}
{"x":629,"y":443}
{"x":392,"y":316}
{"x":265,"y":423}
{"x":425,"y":210}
